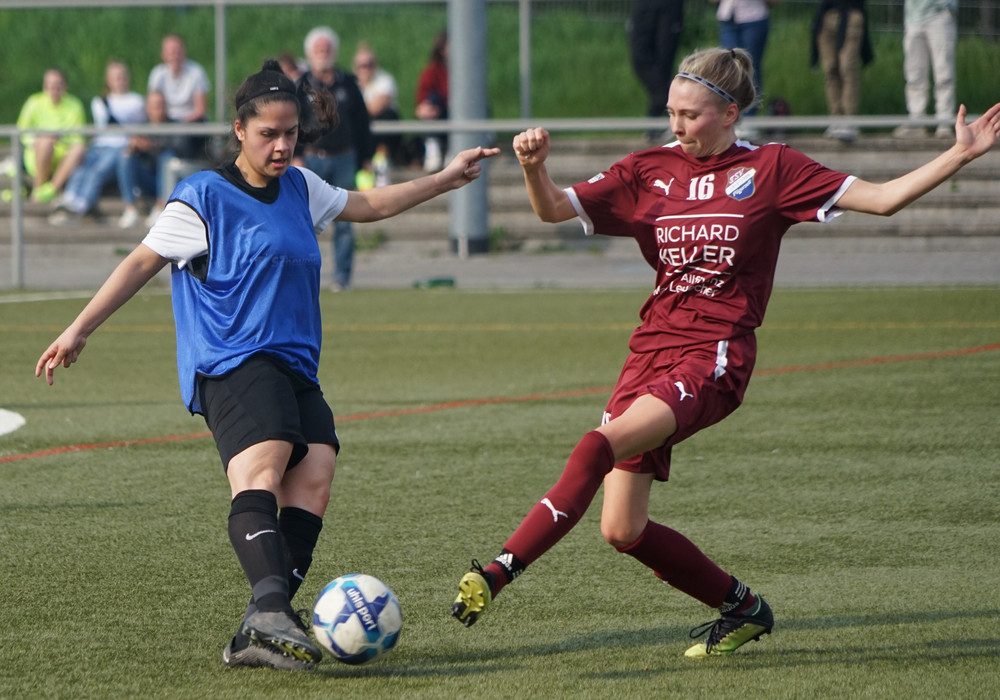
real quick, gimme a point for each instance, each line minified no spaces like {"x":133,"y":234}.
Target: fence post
{"x":17,"y":214}
{"x":467,"y":92}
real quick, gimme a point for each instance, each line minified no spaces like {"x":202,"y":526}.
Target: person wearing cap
{"x":708,"y":212}
{"x":245,"y":275}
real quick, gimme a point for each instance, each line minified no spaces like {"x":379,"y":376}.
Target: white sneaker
{"x":154,"y":214}
{"x":129,"y":218}
{"x":433,"y":158}
{"x":846,"y":133}
{"x":908,"y":131}
{"x":944,"y":132}
{"x":64,"y":218}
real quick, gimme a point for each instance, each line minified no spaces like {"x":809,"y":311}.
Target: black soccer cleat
{"x":730,"y":632}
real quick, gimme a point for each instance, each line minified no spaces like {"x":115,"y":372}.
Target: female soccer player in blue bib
{"x":241,"y":240}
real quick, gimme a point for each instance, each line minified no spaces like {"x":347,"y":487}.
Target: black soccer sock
{"x":260,"y":548}
{"x":738,"y":599}
{"x":301,"y":529}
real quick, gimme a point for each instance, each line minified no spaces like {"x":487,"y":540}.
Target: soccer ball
{"x":357,"y":618}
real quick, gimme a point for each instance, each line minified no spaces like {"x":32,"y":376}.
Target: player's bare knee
{"x":620,"y":534}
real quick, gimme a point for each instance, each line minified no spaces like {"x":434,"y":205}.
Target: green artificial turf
{"x":856,"y":489}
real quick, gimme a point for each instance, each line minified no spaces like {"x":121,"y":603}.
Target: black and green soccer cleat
{"x":730,"y":632}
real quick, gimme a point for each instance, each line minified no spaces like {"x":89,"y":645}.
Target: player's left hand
{"x":978,"y":137}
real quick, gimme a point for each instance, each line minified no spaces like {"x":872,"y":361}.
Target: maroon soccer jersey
{"x":711,"y":227}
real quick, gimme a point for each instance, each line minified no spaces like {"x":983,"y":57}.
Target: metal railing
{"x":474,"y":126}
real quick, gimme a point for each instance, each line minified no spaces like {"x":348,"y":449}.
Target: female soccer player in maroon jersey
{"x":708,"y":212}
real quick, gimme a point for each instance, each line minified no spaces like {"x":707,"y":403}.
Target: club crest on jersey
{"x":740,"y":183}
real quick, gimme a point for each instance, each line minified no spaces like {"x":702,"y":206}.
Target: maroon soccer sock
{"x":561,"y":508}
{"x":676,"y":560}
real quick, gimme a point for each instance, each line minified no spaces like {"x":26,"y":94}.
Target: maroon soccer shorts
{"x":702,"y":383}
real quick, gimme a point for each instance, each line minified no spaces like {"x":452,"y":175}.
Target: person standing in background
{"x":341,"y":152}
{"x":840,"y":43}
{"x":654,"y":33}
{"x":744,"y":24}
{"x":930,"y":33}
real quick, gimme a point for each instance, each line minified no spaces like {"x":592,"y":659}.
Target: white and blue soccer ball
{"x":357,"y":618}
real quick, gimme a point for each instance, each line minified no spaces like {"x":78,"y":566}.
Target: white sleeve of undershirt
{"x":179,"y":234}
{"x":326,"y":202}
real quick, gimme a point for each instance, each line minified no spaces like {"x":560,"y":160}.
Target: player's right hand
{"x":532,"y":146}
{"x":64,"y":351}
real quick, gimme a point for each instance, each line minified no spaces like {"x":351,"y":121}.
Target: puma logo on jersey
{"x":684,"y":393}
{"x":555,"y":513}
{"x":665,"y":187}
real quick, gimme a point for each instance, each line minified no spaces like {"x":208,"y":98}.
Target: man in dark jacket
{"x":339,"y":154}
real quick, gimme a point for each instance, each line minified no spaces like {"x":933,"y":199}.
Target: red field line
{"x":885,"y":359}
{"x":881,"y":360}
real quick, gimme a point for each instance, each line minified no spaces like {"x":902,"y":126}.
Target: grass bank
{"x":580,"y":62}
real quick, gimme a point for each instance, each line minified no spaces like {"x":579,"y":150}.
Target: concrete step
{"x":967,"y":205}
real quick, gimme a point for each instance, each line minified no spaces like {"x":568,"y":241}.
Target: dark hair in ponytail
{"x":317,"y":108}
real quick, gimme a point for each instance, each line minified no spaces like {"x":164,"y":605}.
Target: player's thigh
{"x":646,"y":424}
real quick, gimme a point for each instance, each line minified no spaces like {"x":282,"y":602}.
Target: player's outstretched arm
{"x":382,"y":202}
{"x":550,"y":203}
{"x":132,"y":273}
{"x":971,"y":141}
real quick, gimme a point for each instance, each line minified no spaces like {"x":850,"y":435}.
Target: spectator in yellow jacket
{"x":50,"y":158}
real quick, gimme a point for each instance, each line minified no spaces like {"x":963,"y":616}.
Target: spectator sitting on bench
{"x":49,"y":159}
